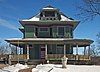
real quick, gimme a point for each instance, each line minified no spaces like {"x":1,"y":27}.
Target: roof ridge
{"x":49,"y":6}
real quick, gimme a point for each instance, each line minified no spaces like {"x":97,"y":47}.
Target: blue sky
{"x":13,"y":10}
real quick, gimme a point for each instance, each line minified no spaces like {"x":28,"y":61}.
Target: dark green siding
{"x":30,"y":32}
{"x":35,"y":52}
{"x":44,"y":34}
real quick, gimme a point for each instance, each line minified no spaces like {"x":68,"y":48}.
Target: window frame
{"x":58,"y":31}
{"x":60,"y":49}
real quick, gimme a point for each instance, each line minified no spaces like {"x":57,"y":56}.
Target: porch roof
{"x":21,"y":41}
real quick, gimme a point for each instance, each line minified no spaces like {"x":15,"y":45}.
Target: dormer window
{"x":49,"y":14}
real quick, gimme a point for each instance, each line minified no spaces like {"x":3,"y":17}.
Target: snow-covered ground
{"x":70,"y":68}
{"x":13,"y":68}
{"x":53,"y":68}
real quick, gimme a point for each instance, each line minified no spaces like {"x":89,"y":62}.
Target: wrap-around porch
{"x":50,"y":49}
{"x":47,"y":54}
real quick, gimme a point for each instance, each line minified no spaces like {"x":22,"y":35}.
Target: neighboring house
{"x":49,"y":36}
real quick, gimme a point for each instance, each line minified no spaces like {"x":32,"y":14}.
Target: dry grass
{"x":3,"y":65}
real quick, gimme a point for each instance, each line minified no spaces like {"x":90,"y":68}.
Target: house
{"x":49,"y":36}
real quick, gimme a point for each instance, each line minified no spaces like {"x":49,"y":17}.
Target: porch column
{"x":18,"y":53}
{"x":64,"y":50}
{"x":64,"y":58}
{"x":89,"y":53}
{"x":76,"y":51}
{"x":27,"y":51}
{"x":46,"y":51}
{"x":84,"y":50}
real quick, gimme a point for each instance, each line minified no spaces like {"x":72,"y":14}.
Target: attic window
{"x":49,"y":14}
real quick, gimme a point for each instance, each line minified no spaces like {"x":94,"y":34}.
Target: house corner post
{"x":27,"y":51}
{"x":76,"y":51}
{"x":46,"y":51}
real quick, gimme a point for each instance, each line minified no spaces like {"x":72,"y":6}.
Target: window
{"x":49,"y":14}
{"x":61,"y":31}
{"x":60,"y":49}
{"x":44,"y":29}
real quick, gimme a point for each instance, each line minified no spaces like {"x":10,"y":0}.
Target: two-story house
{"x":49,"y":36}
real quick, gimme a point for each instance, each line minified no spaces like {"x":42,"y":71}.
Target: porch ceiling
{"x":80,"y":42}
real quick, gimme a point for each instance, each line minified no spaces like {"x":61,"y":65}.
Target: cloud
{"x":7,"y":24}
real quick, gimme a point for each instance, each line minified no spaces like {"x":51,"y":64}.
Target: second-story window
{"x":61,"y":31}
{"x":43,"y":29}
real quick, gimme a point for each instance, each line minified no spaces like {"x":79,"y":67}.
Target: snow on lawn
{"x":53,"y":68}
{"x":13,"y":68}
{"x":70,"y":68}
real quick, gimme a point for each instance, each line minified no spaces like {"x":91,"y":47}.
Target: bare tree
{"x":4,"y":48}
{"x":89,"y":9}
{"x":98,"y":38}
{"x":95,"y":49}
{"x":13,"y":49}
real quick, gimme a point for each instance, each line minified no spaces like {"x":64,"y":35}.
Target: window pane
{"x":49,"y":13}
{"x":60,"y":49}
{"x":60,"y":30}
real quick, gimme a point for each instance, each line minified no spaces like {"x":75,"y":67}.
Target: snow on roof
{"x":40,"y":39}
{"x":47,"y":39}
{"x":49,"y":7}
{"x":34,"y":18}
{"x":37,"y":17}
{"x":63,"y":18}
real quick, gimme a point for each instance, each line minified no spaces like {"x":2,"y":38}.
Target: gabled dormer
{"x":49,"y":13}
